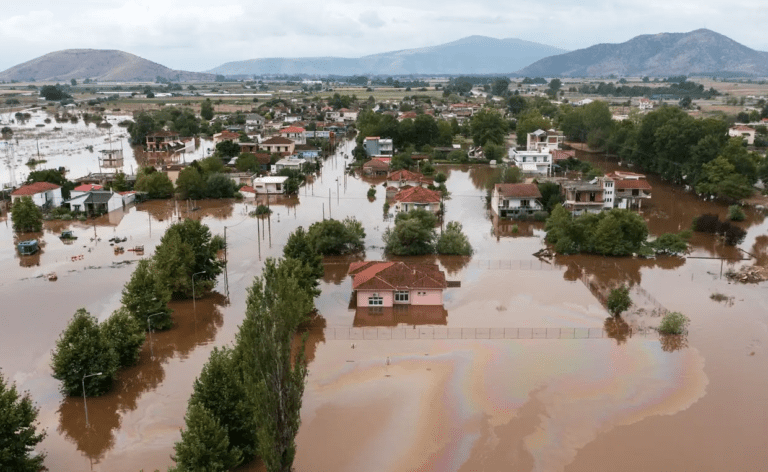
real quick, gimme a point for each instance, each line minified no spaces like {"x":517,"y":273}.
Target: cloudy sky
{"x":198,"y":35}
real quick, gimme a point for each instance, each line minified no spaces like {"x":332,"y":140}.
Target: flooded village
{"x":505,"y":359}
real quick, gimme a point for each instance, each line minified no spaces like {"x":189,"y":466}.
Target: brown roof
{"x":377,"y":275}
{"x":35,"y":188}
{"x":417,"y":195}
{"x":377,"y":163}
{"x":518,"y":190}
{"x":407,"y":175}
{"x":641,"y":184}
{"x":278,"y":140}
{"x":560,"y":155}
{"x":162,"y":134}
{"x":292,"y":129}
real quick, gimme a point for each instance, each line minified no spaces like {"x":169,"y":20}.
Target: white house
{"x":43,"y":194}
{"x":743,"y":131}
{"x":645,"y":104}
{"x":414,"y":198}
{"x":83,"y":189}
{"x":532,"y":162}
{"x":540,"y":139}
{"x":515,"y":200}
{"x":582,"y":102}
{"x":254,"y":122}
{"x":295,"y":163}
{"x":96,"y":201}
{"x":295,"y":134}
{"x":273,"y":185}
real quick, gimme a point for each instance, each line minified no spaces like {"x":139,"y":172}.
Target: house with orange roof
{"x":402,"y":178}
{"x":43,"y":194}
{"x":226,"y":136}
{"x":385,"y":284}
{"x":295,"y":134}
{"x":417,"y":198}
{"x":83,"y":189}
{"x":376,"y":166}
{"x":278,"y":144}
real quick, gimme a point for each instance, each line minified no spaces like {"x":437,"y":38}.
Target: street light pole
{"x":149,"y":328}
{"x":194,"y":303}
{"x":85,"y":402}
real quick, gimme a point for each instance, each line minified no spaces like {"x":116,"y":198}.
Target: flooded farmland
{"x":522,"y":369}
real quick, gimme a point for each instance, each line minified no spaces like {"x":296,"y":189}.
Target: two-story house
{"x":279,"y":145}
{"x":586,"y":197}
{"x":629,"y":189}
{"x":377,"y":146}
{"x":295,"y":134}
{"x":515,"y":200}
{"x":541,"y":139}
{"x":532,"y":162}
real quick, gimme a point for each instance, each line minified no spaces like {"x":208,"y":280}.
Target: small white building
{"x":83,"y":189}
{"x":294,"y":163}
{"x":743,"y":131}
{"x":268,"y":185}
{"x":96,"y":202}
{"x":43,"y":194}
{"x":532,"y":162}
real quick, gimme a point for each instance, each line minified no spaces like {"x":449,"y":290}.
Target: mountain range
{"x":99,"y":64}
{"x":666,"y":54}
{"x":470,"y":55}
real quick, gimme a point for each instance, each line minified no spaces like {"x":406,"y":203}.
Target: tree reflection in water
{"x":617,"y":328}
{"x":192,"y":328}
{"x":673,"y":342}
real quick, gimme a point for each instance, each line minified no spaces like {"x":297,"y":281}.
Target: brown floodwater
{"x":520,"y":369}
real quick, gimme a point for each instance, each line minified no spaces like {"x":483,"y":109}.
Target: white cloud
{"x":200,"y":34}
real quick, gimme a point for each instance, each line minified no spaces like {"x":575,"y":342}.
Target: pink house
{"x":385,"y":284}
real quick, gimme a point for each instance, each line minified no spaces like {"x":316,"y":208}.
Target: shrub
{"x":735,"y":213}
{"x":619,"y":300}
{"x":453,"y":241}
{"x":372,"y":193}
{"x":540,"y":216}
{"x":674,"y":323}
{"x":261,"y":210}
{"x":710,"y":223}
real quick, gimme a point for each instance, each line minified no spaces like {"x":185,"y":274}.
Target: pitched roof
{"x":377,"y":163}
{"x":162,"y":134}
{"x":99,"y":196}
{"x":396,"y":275}
{"x":404,"y":174}
{"x":417,"y":195}
{"x":641,"y":184}
{"x":278,"y":140}
{"x":518,"y":190}
{"x":34,"y":188}
{"x":742,"y":128}
{"x":291,"y":129}
{"x":247,"y":189}
{"x":560,"y":155}
{"x":87,"y":188}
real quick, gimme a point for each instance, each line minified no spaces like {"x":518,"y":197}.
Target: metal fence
{"x":511,"y":264}
{"x":441,"y":332}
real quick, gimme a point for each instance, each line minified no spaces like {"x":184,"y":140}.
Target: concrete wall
{"x":427,"y":297}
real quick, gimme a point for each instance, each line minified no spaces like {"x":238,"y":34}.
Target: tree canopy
{"x":616,"y":232}
{"x":26,"y":216}
{"x":18,"y":431}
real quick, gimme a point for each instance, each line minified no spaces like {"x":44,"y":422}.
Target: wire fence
{"x":511,"y":264}
{"x":442,"y":332}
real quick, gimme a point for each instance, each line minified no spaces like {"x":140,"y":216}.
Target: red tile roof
{"x":278,"y":140}
{"x":408,"y":175}
{"x":87,"y":188}
{"x":248,"y":189}
{"x":35,"y":188}
{"x":518,"y":190}
{"x":417,"y":195}
{"x":559,"y":155}
{"x":641,"y":184}
{"x":291,"y":129}
{"x":377,"y":164}
{"x":377,"y":275}
{"x":742,"y":128}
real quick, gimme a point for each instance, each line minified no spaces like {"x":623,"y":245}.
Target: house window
{"x":375,"y":300}
{"x":524,"y":203}
{"x":402,"y":296}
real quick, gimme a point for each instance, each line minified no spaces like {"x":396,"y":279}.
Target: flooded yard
{"x":522,"y":369}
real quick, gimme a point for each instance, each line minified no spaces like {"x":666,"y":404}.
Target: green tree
{"x":277,"y":372}
{"x":53,"y":93}
{"x":528,"y":122}
{"x":247,"y":162}
{"x":413,"y":234}
{"x":555,"y":85}
{"x":125,"y":334}
{"x":155,"y":184}
{"x":146,"y":295}
{"x":211,"y":165}
{"x":219,"y":186}
{"x":334,"y":237}
{"x":143,"y":124}
{"x":82,"y":350}
{"x":206,"y":109}
{"x":619,"y":300}
{"x":18,"y":431}
{"x":670,"y":243}
{"x":53,"y":176}
{"x":453,"y":241}
{"x":204,"y":445}
{"x":26,"y":216}
{"x":488,"y":127}
{"x":500,"y":86}
{"x":187,"y":248}
{"x":190,"y":183}
{"x":674,"y":323}
{"x":517,"y":105}
{"x":120,"y":184}
{"x":220,"y":389}
{"x":227,"y":148}
{"x":299,"y":246}
{"x":719,"y":177}
{"x":550,"y":195}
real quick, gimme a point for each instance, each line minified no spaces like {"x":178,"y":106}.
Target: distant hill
{"x":470,"y":55}
{"x":99,"y":64}
{"x":665,"y":54}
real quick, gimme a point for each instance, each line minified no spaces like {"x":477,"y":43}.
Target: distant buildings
{"x":743,"y":131}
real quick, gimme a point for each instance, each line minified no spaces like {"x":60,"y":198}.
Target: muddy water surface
{"x":534,"y":399}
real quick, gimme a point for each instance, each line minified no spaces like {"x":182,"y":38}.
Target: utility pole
{"x":258,"y":238}
{"x":329,"y":205}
